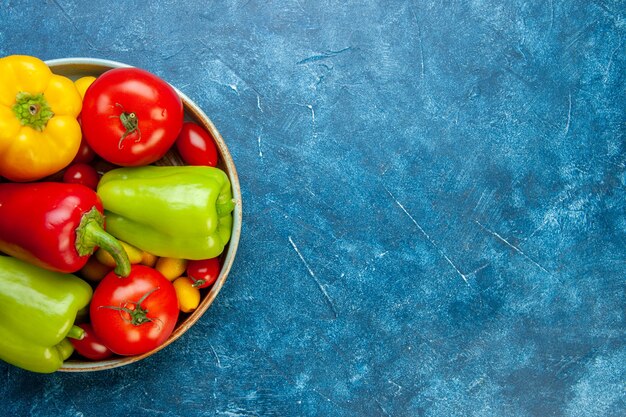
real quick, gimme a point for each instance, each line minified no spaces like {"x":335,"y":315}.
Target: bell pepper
{"x":55,"y":226}
{"x":39,"y":131}
{"x":170,"y":211}
{"x":38,"y":309}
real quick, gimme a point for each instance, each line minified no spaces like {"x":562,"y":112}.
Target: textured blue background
{"x":434,"y":206}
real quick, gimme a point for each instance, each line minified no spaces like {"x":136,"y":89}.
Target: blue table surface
{"x":434,"y":206}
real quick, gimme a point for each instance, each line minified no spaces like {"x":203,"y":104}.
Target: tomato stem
{"x":138,"y":314}
{"x":197,"y":283}
{"x":131,"y":125}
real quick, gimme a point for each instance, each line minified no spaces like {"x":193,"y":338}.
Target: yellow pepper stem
{"x":32,"y":110}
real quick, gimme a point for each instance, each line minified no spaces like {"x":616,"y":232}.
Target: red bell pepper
{"x":55,"y":226}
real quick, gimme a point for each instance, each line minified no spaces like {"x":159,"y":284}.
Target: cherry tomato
{"x":188,"y":295}
{"x":82,"y":174}
{"x":203,"y":273}
{"x":131,"y":117}
{"x":196,"y":146}
{"x":85,"y":154}
{"x":93,"y":270}
{"x":136,"y":314}
{"x":171,"y":268}
{"x":83,"y":83}
{"x":90,"y":346}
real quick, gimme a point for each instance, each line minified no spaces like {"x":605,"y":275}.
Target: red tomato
{"x":196,"y":146}
{"x":131,"y":117}
{"x":203,"y":273}
{"x":85,"y":154}
{"x":136,"y":314}
{"x":82,"y":174}
{"x":90,"y":346}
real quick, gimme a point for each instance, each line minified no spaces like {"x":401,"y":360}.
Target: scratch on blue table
{"x":430,"y":240}
{"x":315,"y":278}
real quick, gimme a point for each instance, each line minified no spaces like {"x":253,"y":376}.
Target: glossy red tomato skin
{"x":90,"y":345}
{"x":113,"y":325}
{"x":204,"y":272}
{"x":125,"y":91}
{"x":196,"y":146}
{"x":81,"y":173}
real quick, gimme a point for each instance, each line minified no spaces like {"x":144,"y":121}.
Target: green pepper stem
{"x":76,"y":333}
{"x":65,"y":348}
{"x":224,"y":207}
{"x":90,"y":234}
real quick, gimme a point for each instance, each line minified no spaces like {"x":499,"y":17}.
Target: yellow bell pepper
{"x":39,"y":133}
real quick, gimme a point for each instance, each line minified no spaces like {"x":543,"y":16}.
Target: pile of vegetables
{"x":104,"y":248}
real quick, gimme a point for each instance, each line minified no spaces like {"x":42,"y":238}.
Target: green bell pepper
{"x":171,"y":211}
{"x":38,"y":308}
